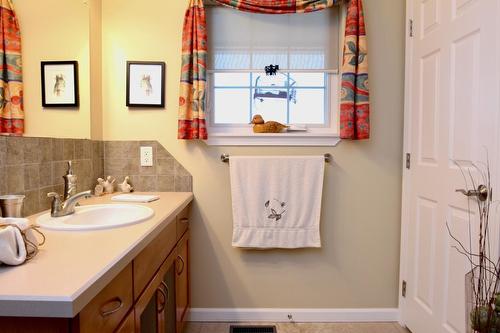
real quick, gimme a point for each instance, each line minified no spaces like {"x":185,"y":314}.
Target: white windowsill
{"x":248,"y":138}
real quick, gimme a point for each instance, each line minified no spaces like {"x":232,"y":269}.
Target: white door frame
{"x":407,"y":144}
{"x":405,"y":205}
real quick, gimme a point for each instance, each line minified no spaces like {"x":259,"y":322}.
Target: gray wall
{"x":360,"y":228}
{"x":358,"y":264}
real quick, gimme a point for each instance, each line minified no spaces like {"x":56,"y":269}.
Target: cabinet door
{"x":182,"y":281}
{"x":128,"y":324}
{"x":147,"y":310}
{"x":151,"y":307}
{"x":168,"y":283}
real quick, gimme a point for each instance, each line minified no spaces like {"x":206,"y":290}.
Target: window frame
{"x":329,"y":101}
{"x":242,"y":135}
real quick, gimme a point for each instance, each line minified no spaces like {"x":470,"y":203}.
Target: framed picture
{"x":60,"y":83}
{"x":145,"y":84}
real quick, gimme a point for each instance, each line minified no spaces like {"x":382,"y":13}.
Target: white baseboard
{"x":297,"y":315}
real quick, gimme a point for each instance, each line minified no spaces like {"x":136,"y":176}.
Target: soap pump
{"x":69,"y":182}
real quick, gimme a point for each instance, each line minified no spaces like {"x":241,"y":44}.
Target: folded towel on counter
{"x":276,"y":201}
{"x":12,"y":247}
{"x":135,"y":198}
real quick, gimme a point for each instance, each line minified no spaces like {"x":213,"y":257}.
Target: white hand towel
{"x":276,"y":201}
{"x":12,"y":248}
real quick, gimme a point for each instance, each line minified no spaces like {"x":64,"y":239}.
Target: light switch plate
{"x":147,"y":156}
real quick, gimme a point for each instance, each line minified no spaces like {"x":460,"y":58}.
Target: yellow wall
{"x":358,"y":265}
{"x":54,"y":30}
{"x":96,"y":129}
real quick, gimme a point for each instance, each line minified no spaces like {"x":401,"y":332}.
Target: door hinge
{"x":408,"y":160}
{"x":403,"y":289}
{"x":411,"y":27}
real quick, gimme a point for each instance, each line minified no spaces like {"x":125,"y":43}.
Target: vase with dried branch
{"x":482,"y":282}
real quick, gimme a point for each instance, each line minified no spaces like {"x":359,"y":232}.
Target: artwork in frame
{"x":60,"y":84}
{"x":145,"y":84}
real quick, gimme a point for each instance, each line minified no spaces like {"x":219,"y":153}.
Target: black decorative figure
{"x":272,"y":69}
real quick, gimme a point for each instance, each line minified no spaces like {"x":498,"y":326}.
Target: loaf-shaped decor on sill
{"x":261,"y":126}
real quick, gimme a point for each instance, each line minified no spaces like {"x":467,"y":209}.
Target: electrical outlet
{"x":147,"y":156}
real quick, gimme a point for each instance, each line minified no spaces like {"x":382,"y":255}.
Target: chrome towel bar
{"x":225,"y":158}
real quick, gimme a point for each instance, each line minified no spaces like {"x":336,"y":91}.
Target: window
{"x":304,"y":92}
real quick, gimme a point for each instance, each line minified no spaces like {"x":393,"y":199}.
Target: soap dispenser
{"x":69,"y":182}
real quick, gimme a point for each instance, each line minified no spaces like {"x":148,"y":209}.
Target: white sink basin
{"x":94,"y":217}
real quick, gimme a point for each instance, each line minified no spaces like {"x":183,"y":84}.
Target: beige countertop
{"x":73,"y":266}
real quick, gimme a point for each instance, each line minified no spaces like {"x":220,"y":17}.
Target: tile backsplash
{"x":121,"y":158}
{"x":35,"y":166}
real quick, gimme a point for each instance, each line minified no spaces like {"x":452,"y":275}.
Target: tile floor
{"x":305,"y":328}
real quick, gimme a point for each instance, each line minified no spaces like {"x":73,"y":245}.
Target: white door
{"x":452,"y":108}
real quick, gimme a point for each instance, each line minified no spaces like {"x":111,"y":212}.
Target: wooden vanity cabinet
{"x":163,"y":305}
{"x":156,"y":301}
{"x":150,"y":295}
{"x":105,"y":312}
{"x":128,"y":324}
{"x":182,"y":281}
{"x":151,"y":258}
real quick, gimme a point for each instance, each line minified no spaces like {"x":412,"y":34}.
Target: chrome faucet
{"x":60,"y":208}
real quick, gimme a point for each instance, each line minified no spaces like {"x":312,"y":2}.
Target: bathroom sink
{"x":95,"y":217}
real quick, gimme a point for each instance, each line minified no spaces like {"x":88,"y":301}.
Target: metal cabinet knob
{"x":181,"y":260}
{"x":119,"y":305}
{"x":163,"y":303}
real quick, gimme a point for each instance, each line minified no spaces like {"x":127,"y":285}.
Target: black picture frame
{"x":137,"y":97}
{"x":51,"y":95}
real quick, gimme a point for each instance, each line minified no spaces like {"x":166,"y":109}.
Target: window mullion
{"x":288,"y":98}
{"x":251,"y":98}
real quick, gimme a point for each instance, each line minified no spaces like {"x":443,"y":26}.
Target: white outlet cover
{"x":147,"y":156}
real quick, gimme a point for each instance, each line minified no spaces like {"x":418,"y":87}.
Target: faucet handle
{"x":53,"y":195}
{"x":56,"y":198}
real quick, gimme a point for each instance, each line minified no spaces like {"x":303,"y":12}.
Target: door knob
{"x":481,"y":193}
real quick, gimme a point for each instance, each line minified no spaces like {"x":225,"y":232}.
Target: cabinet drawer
{"x":149,"y":260}
{"x":182,"y":221}
{"x":109,"y":307}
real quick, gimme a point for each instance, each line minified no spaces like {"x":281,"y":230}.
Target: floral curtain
{"x":355,"y":107}
{"x":193,"y":74}
{"x":355,"y":98}
{"x":278,"y":6}
{"x":11,"y":79}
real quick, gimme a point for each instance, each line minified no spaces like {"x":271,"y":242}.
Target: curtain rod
{"x":225,"y":158}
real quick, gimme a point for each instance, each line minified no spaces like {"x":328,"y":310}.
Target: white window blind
{"x":248,"y":41}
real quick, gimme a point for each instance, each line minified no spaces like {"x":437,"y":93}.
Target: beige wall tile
{"x":15,"y":179}
{"x":57,"y":149}
{"x":45,"y":146}
{"x":68,"y":149}
{"x":15,"y":151}
{"x":31,"y":177}
{"x":3,"y":151}
{"x":31,"y":150}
